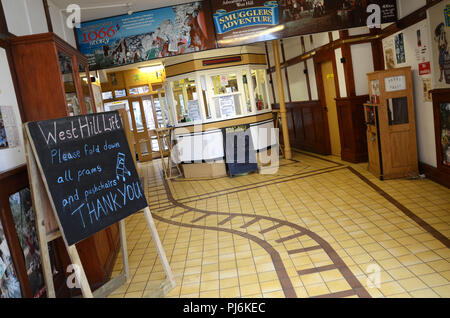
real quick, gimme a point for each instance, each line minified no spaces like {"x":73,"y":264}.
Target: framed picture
{"x":441,"y":109}
{"x":23,"y":215}
{"x":9,"y":283}
{"x":400,"y":49}
{"x":440,"y":39}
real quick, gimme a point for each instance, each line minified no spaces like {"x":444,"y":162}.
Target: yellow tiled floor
{"x":318,"y":228}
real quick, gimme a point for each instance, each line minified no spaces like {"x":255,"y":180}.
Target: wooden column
{"x":283,"y":112}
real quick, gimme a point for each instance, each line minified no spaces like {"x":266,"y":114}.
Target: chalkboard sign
{"x":89,"y":171}
{"x":239,"y":151}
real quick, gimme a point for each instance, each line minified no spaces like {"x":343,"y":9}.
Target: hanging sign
{"x":266,"y":14}
{"x":147,"y":35}
{"x":239,"y":22}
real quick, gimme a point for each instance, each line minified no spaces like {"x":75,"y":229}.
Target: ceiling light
{"x":151,"y":68}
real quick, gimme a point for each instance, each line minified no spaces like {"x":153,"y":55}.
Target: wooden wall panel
{"x":306,"y":126}
{"x":352,"y":128}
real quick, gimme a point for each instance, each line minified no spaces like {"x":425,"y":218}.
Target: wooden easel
{"x":49,"y":229}
{"x":277,"y":125}
{"x":165,"y":137}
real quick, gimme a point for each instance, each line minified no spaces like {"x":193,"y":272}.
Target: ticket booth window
{"x":260,"y":89}
{"x":186,"y":100}
{"x":398,"y":111}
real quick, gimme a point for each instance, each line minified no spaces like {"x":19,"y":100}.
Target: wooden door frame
{"x":142,"y":158}
{"x":156,"y":154}
{"x":319,"y":59}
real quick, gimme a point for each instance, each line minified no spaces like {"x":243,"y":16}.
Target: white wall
{"x":58,"y":17}
{"x":298,"y":82}
{"x":321,"y":39}
{"x":340,"y":73}
{"x":312,"y":79}
{"x":362,"y":65}
{"x":25,"y":17}
{"x":424,"y":110}
{"x":10,"y":157}
{"x":406,"y":7}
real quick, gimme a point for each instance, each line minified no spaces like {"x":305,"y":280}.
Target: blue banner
{"x":266,"y":15}
{"x":146,"y":35}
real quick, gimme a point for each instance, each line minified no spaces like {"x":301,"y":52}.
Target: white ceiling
{"x":137,"y":5}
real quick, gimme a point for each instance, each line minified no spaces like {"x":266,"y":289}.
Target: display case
{"x":219,"y":94}
{"x":391,"y":125}
{"x":441,"y":106}
{"x":54,"y":82}
{"x":53,"y":77}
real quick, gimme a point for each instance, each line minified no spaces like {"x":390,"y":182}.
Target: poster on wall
{"x":422,"y":46}
{"x":400,"y":48}
{"x":9,"y":284}
{"x":3,"y":137}
{"x":239,"y":22}
{"x":23,"y":215}
{"x":389,"y":54}
{"x":9,"y":131}
{"x":438,"y":17}
{"x":147,"y":35}
{"x":426,"y":81}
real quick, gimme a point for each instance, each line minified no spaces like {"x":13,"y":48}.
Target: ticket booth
{"x":391,"y":125}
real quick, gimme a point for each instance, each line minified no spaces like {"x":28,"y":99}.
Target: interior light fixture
{"x":151,"y":68}
{"x":128,"y":5}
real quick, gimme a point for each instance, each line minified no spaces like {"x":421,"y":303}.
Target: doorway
{"x":147,"y":115}
{"x":329,"y":87}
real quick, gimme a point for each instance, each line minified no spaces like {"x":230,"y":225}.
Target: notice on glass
{"x":9,"y":131}
{"x":227,"y":106}
{"x":194,"y":110}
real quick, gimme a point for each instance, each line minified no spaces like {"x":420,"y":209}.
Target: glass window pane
{"x":228,"y":105}
{"x":85,"y":82}
{"x":149,"y":117}
{"x":186,"y":100}
{"x":165,"y":109}
{"x":225,"y":84}
{"x":69,"y":84}
{"x":205,"y":96}
{"x":370,"y":115}
{"x":398,"y":111}
{"x":140,"y":90}
{"x":120,"y":93}
{"x":107,"y":95}
{"x":159,"y":113}
{"x":259,"y":83}
{"x":137,"y":115}
{"x":247,"y":91}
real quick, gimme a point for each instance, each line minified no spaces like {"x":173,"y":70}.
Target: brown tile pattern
{"x":231,"y":249}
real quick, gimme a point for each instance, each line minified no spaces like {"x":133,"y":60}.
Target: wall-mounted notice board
{"x":89,"y":172}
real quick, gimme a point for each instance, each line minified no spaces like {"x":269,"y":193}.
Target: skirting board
{"x":435,"y":174}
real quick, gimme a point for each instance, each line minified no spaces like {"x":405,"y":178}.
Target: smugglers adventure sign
{"x":239,"y":22}
{"x":147,"y":35}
